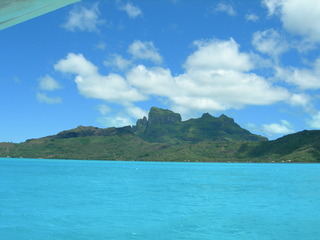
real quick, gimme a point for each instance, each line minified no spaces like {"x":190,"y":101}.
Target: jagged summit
{"x":225,"y":117}
{"x":206,"y":115}
{"x":165,"y":125}
{"x":163,"y":116}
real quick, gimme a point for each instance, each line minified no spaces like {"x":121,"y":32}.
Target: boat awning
{"x":16,"y":11}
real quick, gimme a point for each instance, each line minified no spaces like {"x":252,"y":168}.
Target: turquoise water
{"x":99,"y":200}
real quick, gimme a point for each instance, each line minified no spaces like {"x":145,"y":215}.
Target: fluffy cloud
{"x":76,"y":64}
{"x":216,"y":78}
{"x":211,"y":90}
{"x":298,"y":17}
{"x":47,"y":83}
{"x":131,"y":10}
{"x":269,"y":42}
{"x":83,"y":19}
{"x":145,"y":50}
{"x":227,"y":8}
{"x":304,"y":78}
{"x":139,"y":51}
{"x":111,"y":88}
{"x":218,"y":55}
{"x":43,"y":98}
{"x":152,"y":81}
{"x":284,"y":127}
{"x":92,"y":84}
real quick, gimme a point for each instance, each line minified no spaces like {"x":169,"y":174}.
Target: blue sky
{"x":105,"y":63}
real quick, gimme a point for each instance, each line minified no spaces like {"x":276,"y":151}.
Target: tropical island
{"x":163,"y":136}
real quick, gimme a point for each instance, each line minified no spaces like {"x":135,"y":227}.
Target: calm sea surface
{"x":99,"y":200}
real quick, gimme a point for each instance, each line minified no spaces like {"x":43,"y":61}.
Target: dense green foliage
{"x":126,"y":147}
{"x":164,"y":137}
{"x":298,"y":147}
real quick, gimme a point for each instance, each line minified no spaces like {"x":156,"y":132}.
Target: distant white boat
{"x":13,"y":12}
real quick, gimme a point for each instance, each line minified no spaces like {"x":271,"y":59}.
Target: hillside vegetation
{"x":163,"y":136}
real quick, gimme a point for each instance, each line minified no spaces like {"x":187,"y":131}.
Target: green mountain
{"x":298,"y":147}
{"x":163,"y":136}
{"x":166,"y":126}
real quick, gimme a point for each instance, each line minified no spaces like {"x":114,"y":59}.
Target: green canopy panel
{"x":16,"y":11}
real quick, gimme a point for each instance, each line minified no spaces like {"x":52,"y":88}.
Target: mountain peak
{"x":163,"y":116}
{"x":225,"y":118}
{"x":165,"y":125}
{"x":206,"y":115}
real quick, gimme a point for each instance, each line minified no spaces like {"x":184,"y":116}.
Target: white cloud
{"x":83,"y":19}
{"x":153,"y":81}
{"x":117,"y":61}
{"x":145,"y":50}
{"x":92,"y":84}
{"x":304,"y":78}
{"x":269,"y":42}
{"x":297,"y":16}
{"x":216,"y":78}
{"x":314,"y":122}
{"x":43,"y":98}
{"x":76,"y":64}
{"x":47,"y":83}
{"x":227,"y":8}
{"x":273,"y":6}
{"x":284,"y":127}
{"x":225,"y":89}
{"x":111,"y":88}
{"x":216,"y":54}
{"x":252,"y":17}
{"x":131,"y":10}
{"x":300,"y":100}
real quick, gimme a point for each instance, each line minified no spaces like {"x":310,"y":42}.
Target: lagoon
{"x":98,"y":200}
